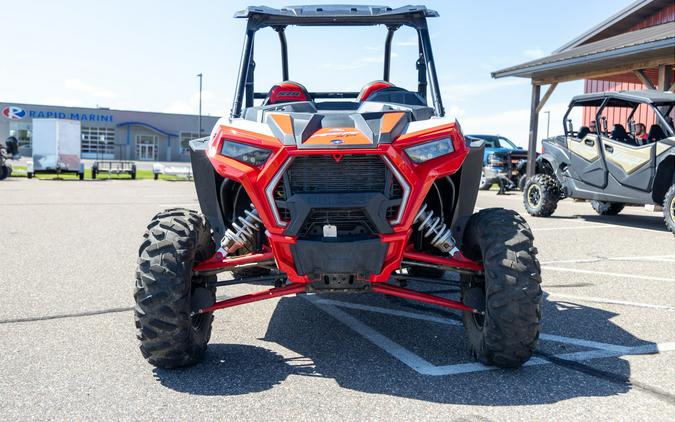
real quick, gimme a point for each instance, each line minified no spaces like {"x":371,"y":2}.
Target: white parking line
{"x":610,"y":301}
{"x":420,"y":365}
{"x":543,"y":229}
{"x":657,"y":258}
{"x":580,"y":271}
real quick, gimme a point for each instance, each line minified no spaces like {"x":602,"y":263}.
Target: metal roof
{"x":616,"y":24}
{"x":642,"y":44}
{"x":332,"y":14}
{"x":647,"y":96}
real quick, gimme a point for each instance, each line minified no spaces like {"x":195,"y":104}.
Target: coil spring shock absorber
{"x":241,"y":233}
{"x":434,"y":228}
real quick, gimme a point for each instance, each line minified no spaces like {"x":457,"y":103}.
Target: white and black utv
{"x":622,"y":153}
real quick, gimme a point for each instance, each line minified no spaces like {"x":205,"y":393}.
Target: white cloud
{"x":211,"y":105}
{"x":473,"y":89}
{"x":355,"y":64}
{"x":62,"y":101}
{"x":534,"y":53}
{"x":96,"y":91}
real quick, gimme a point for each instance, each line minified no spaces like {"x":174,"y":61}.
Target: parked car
{"x":502,"y":158}
{"x":611,"y":168}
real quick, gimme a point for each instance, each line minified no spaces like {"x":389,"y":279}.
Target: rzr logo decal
{"x":14,"y":113}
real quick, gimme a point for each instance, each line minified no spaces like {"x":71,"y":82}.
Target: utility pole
{"x":200,"y":104}
{"x":548,"y":122}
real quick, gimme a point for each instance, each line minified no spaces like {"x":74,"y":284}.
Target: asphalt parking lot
{"x":68,"y":349}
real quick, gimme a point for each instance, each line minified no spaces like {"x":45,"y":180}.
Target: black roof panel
{"x":336,"y":14}
{"x":647,"y":96}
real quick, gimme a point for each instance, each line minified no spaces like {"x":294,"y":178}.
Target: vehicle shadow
{"x":335,"y":351}
{"x":651,"y":222}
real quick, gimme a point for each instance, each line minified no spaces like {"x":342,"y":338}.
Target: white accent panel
{"x":426,"y":124}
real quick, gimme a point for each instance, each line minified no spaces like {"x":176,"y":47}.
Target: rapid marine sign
{"x":18,"y":113}
{"x":91,"y":117}
{"x":13,"y":113}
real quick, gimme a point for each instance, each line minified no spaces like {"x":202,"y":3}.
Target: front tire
{"x":541,"y":195}
{"x":167,"y":291}
{"x":607,"y":208}
{"x":5,"y":171}
{"x":669,"y":209}
{"x":484,"y":184}
{"x":509,"y":291}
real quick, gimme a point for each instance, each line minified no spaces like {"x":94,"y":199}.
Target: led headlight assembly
{"x":430,"y":150}
{"x":248,"y":154}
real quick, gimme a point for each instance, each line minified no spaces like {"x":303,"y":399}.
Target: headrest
{"x":372,"y":87}
{"x":286,"y":92}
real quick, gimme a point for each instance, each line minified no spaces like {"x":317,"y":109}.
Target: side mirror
{"x":570,"y":127}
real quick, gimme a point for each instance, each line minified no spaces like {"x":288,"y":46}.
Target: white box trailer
{"x":56,"y":147}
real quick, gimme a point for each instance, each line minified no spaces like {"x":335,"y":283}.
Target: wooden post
{"x":665,"y":77}
{"x":534,"y":125}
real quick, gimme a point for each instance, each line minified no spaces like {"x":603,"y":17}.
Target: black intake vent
{"x":349,"y":222}
{"x":323,"y":174}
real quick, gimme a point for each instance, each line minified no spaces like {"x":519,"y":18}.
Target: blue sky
{"x":144,"y":55}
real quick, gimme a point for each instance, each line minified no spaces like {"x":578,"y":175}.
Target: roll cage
{"x":661,"y":103}
{"x":336,"y":15}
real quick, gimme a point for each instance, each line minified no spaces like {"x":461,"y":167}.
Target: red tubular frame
{"x":217,"y":262}
{"x":382,"y":288}
{"x":458,"y":261}
{"x":391,"y":290}
{"x":290,"y":289}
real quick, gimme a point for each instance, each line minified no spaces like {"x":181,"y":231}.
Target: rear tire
{"x":607,"y":208}
{"x":669,"y":209}
{"x":509,"y":291}
{"x":167,"y":291}
{"x":522,"y":182}
{"x":5,"y":171}
{"x":29,"y":175}
{"x":541,"y":195}
{"x":94,"y":171}
{"x":80,"y":176}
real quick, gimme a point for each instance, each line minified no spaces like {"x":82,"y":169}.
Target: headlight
{"x":496,"y":160}
{"x":248,"y":154}
{"x":430,"y":150}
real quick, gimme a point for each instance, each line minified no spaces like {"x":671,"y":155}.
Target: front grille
{"x":365,"y":174}
{"x":323,"y":174}
{"x":348,"y":221}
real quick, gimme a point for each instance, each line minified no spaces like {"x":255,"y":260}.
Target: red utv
{"x":320,"y":192}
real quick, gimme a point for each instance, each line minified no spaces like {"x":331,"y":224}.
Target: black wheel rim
{"x":534,"y":195}
{"x":475,"y":296}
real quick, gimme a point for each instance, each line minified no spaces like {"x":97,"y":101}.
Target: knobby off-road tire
{"x":669,"y":209}
{"x":607,"y":208}
{"x":509,"y":292}
{"x":541,"y":195}
{"x":167,"y":291}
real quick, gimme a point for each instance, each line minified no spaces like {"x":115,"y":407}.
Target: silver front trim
{"x":269,"y":192}
{"x":404,"y":185}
